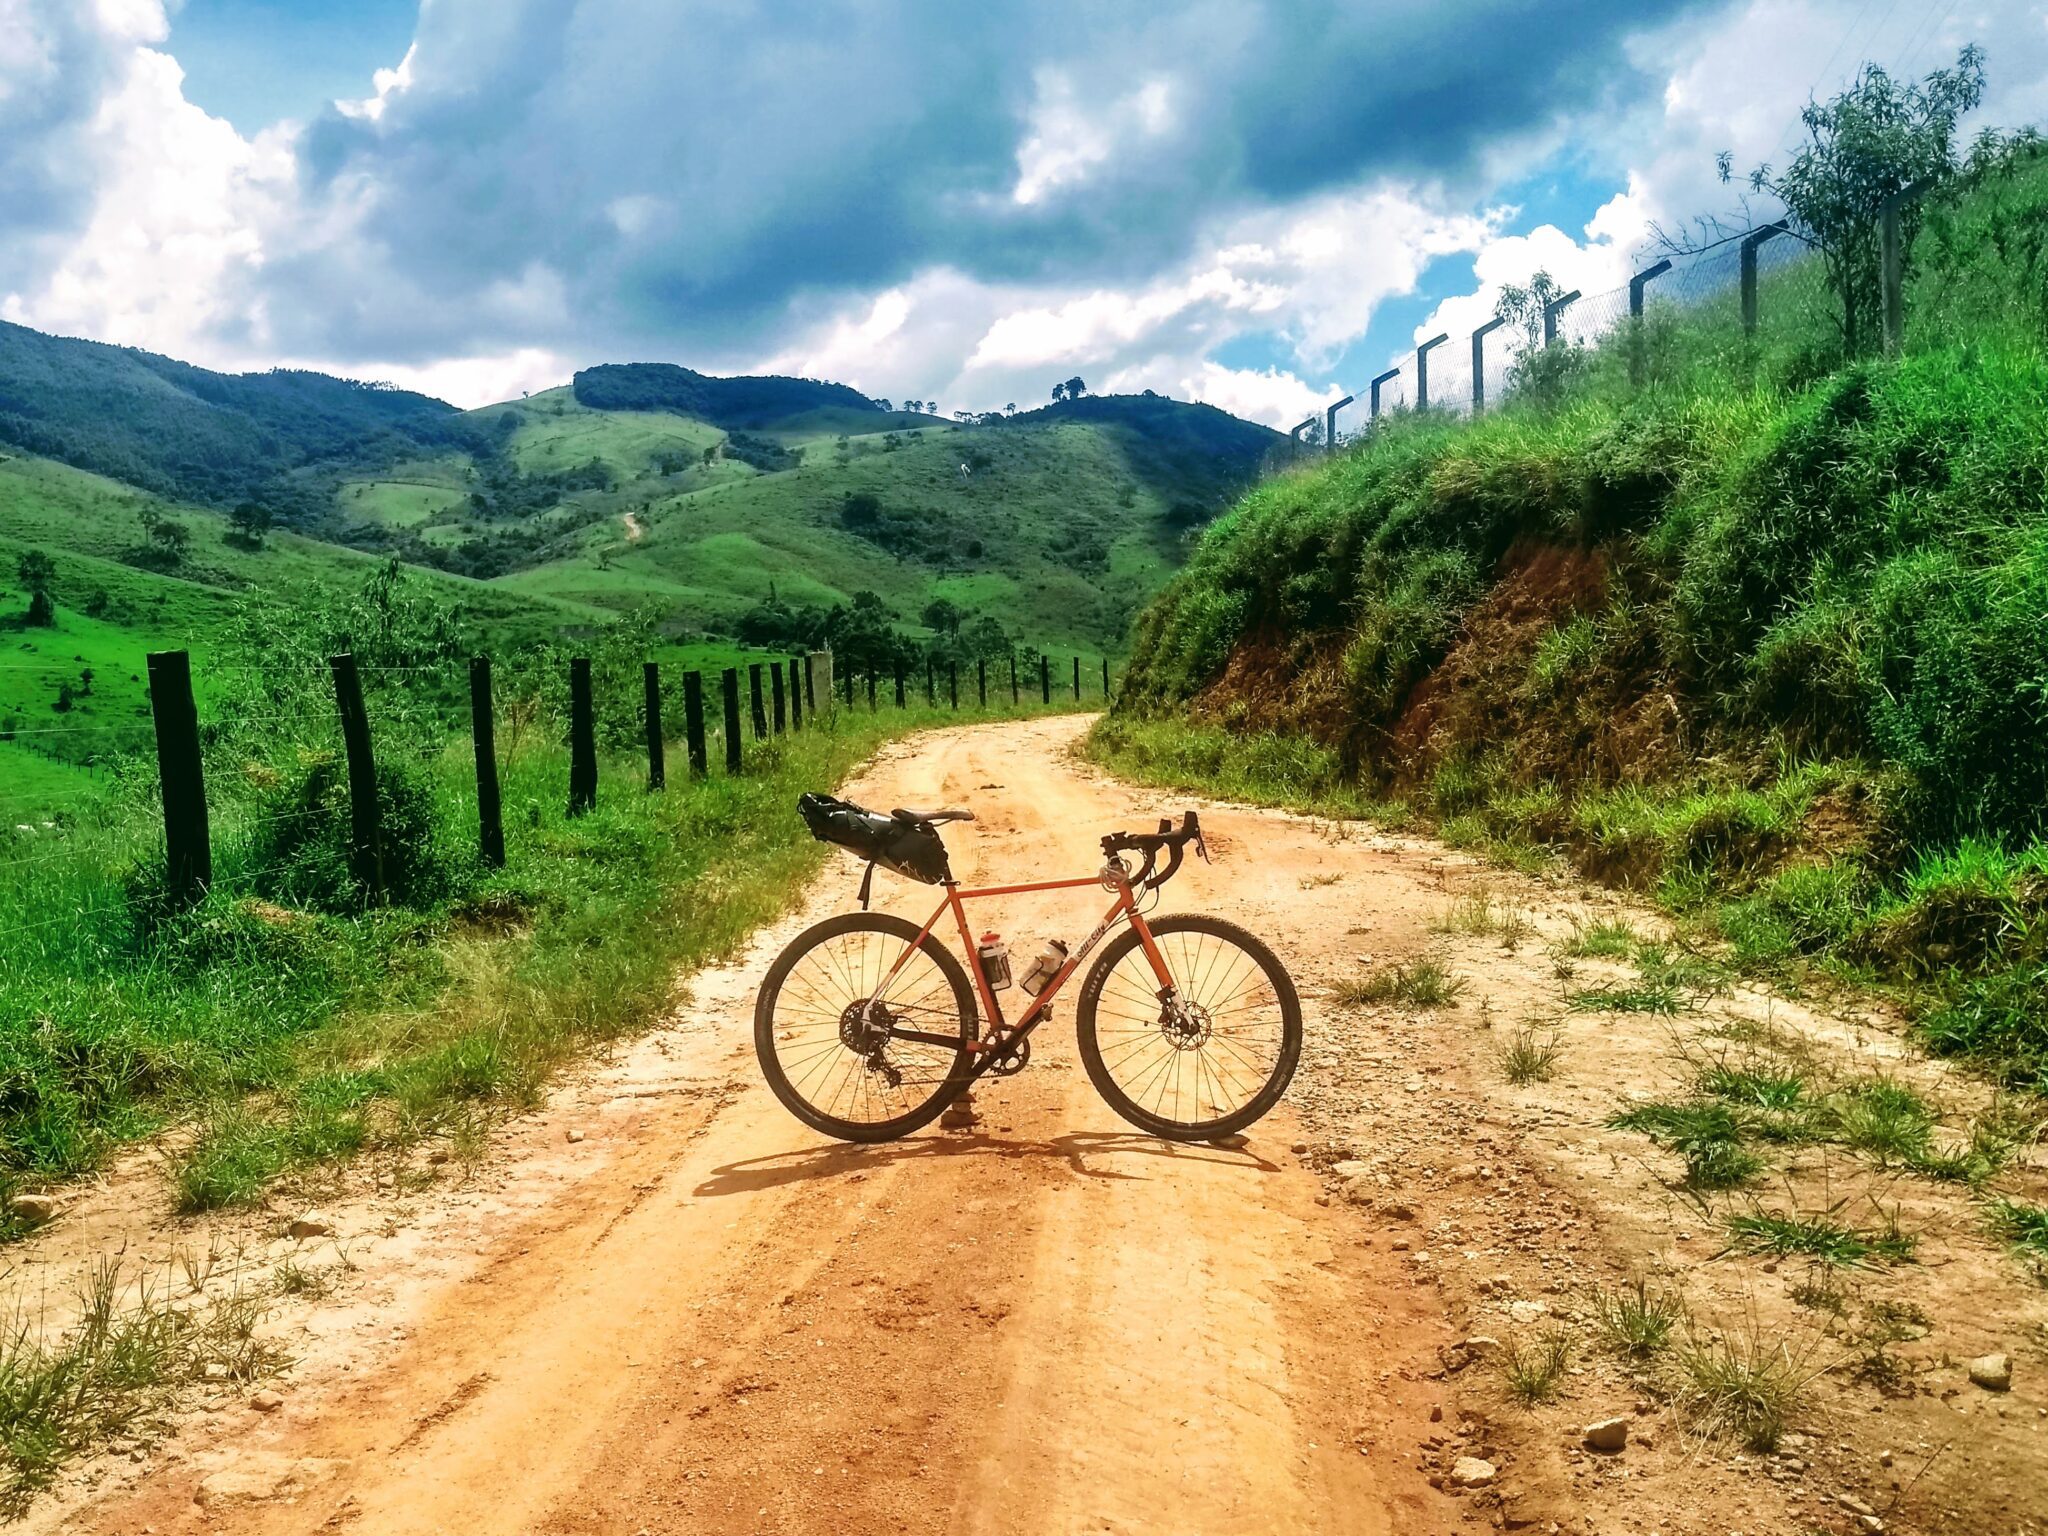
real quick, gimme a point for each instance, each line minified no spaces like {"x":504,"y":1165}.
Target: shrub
{"x":302,"y":849}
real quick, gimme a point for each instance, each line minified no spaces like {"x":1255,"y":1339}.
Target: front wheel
{"x":1204,"y":1058}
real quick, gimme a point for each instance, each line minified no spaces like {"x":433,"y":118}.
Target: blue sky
{"x":1254,"y":202}
{"x":255,"y":62}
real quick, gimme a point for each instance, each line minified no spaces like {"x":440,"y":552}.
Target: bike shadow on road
{"x":1075,"y":1150}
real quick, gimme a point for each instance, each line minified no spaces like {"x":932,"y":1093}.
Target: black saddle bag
{"x":916,"y":852}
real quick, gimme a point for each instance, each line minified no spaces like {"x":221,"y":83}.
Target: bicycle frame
{"x":1125,"y":907}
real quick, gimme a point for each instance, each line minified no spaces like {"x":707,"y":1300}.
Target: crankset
{"x":1012,"y":1058}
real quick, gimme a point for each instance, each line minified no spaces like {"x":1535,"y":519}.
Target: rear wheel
{"x":849,"y":1048}
{"x":1205,"y":1058}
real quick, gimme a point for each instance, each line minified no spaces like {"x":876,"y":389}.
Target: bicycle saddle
{"x":932,"y":818}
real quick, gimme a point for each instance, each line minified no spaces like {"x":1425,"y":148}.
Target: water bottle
{"x":1045,"y":966}
{"x":995,"y":961}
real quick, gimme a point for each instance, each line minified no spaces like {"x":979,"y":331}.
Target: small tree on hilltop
{"x":37,"y":570}
{"x":1879,"y":137}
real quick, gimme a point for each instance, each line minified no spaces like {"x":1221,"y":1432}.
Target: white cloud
{"x":385,"y":84}
{"x":178,"y":205}
{"x":1068,"y":138}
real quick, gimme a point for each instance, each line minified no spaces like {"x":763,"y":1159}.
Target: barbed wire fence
{"x":253,"y":779}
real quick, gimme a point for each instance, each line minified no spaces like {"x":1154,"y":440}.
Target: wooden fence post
{"x":483,"y":735}
{"x":754,"y":698}
{"x":1045,"y":678}
{"x":693,"y":722}
{"x":188,"y":842}
{"x":931,"y":688}
{"x":981,"y":679}
{"x":730,"y":686}
{"x":953,"y":682}
{"x":871,"y":690}
{"x":849,"y":687}
{"x":1015,"y":697}
{"x":899,"y":685}
{"x":366,"y":840}
{"x":796,"y":696}
{"x":1077,"y":679}
{"x":775,"y":678}
{"x":582,"y":739}
{"x":657,"y":755}
{"x":811,"y":687}
{"x":1105,"y":679}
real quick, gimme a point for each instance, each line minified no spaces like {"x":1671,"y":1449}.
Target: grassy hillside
{"x":169,"y":427}
{"x":1056,"y":523}
{"x":1769,"y":636}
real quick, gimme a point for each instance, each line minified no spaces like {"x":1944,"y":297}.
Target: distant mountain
{"x":744,"y":404}
{"x":183,"y":431}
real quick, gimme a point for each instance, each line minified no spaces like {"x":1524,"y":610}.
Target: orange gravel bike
{"x":868,"y":1026}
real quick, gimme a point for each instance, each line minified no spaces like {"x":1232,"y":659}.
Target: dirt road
{"x":663,"y":1306}
{"x":724,"y":1323}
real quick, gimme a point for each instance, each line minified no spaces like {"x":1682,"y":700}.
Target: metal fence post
{"x":1374,"y":392}
{"x":1479,"y":361}
{"x":1422,"y":368}
{"x":188,"y":842}
{"x":483,"y":734}
{"x":1330,"y":423}
{"x":1750,"y":242}
{"x":1638,"y":346}
{"x":1552,"y":310}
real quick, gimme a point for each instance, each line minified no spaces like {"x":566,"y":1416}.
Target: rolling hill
{"x":643,"y":489}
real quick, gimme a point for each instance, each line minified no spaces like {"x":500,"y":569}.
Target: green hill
{"x":713,"y":507}
{"x":182,"y":431}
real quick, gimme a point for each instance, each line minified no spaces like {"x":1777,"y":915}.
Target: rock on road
{"x":717,"y":1321}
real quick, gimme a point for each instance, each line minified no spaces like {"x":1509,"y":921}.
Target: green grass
{"x":1760,"y":638}
{"x":2022,"y":1225}
{"x":1529,"y":1055}
{"x":1818,"y":1235}
{"x":1636,"y":1320}
{"x":1423,"y":984}
{"x":1740,"y":1385}
{"x":290,"y":1025}
{"x":1709,"y":1136}
{"x":1533,"y":1370}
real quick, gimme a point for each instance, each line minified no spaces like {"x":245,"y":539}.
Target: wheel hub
{"x":864,"y":1027}
{"x":1186,"y":1026}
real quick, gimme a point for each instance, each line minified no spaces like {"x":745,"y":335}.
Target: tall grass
{"x":292,"y":1024}
{"x":1762,"y":636}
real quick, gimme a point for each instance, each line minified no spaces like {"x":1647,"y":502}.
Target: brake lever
{"x":1193,"y":824}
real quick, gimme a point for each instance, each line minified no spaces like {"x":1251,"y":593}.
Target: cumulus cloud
{"x":957,"y":203}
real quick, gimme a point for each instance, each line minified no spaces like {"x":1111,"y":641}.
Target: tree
{"x":251,"y":520}
{"x":1523,"y":307}
{"x":1010,"y":409}
{"x":37,"y":570}
{"x":860,"y":512}
{"x":1075,"y":388}
{"x":1879,"y":137}
{"x":882,"y":403}
{"x":942,"y":615}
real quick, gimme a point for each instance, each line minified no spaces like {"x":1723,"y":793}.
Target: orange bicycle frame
{"x":1125,"y":906}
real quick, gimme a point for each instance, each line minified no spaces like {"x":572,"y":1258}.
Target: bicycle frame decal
{"x":1124,"y":908}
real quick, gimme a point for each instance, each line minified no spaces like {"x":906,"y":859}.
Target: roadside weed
{"x":1533,"y":1370}
{"x":1529,"y":1055}
{"x":1820,"y":1235}
{"x":1739,"y":1385}
{"x":1426,"y":984}
{"x":1635,"y":1321}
